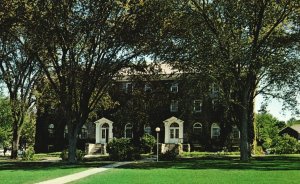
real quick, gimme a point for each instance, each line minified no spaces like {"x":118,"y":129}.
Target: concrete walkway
{"x":83,"y":174}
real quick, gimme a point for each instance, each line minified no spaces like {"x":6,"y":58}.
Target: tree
{"x":267,"y":129}
{"x":18,"y":70}
{"x":292,"y":121}
{"x":81,"y":46}
{"x":248,"y":48}
{"x":5,"y":122}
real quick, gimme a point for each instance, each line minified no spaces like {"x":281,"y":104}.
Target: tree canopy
{"x":248,"y":48}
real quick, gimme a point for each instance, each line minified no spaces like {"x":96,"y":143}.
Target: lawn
{"x":205,"y":170}
{"x":32,"y":172}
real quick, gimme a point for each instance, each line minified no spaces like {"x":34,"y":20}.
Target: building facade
{"x":186,"y":111}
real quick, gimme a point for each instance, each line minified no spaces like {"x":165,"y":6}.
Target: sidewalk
{"x":83,"y":174}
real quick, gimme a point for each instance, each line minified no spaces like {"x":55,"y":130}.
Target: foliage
{"x":147,"y":143}
{"x":64,"y":155}
{"x":258,"y":150}
{"x":91,"y":41}
{"x":267,"y":129}
{"x":18,"y":69}
{"x":79,"y":155}
{"x":5,"y":122}
{"x":285,"y":145}
{"x":293,"y":121}
{"x":122,"y":149}
{"x":245,"y":47}
{"x":170,"y":155}
{"x":29,"y":128}
{"x":28,"y":154}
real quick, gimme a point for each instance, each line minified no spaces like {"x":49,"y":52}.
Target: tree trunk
{"x":72,"y":147}
{"x":244,"y":141}
{"x":15,"y":142}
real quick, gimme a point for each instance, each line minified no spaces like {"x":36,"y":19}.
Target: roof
{"x":296,"y":127}
{"x":293,"y":127}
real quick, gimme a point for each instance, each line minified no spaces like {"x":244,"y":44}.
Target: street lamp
{"x":157,"y":129}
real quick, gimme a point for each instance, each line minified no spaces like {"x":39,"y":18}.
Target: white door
{"x":104,"y":134}
{"x":174,"y":135}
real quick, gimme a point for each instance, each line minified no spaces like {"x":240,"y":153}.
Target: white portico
{"x":104,"y":131}
{"x":173,"y":130}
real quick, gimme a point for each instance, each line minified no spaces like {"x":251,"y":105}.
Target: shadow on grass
{"x":32,"y":165}
{"x":259,"y":163}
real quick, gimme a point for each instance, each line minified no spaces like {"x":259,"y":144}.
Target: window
{"x":174,"y":131}
{"x":214,"y":88}
{"x":84,"y":132}
{"x":128,"y":87}
{"x":197,"y":105}
{"x":51,"y":130}
{"x":197,"y":128}
{"x":174,"y":88}
{"x":215,"y":131}
{"x":214,"y":104}
{"x":147,"y":88}
{"x":128,"y":131}
{"x":104,"y":129}
{"x":235,"y":132}
{"x":66,"y":132}
{"x":174,"y":106}
{"x":147,"y":129}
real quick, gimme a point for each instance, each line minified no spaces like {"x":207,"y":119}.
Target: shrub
{"x":285,"y":145}
{"x":64,"y":155}
{"x":79,"y":155}
{"x":28,"y":154}
{"x":169,"y":155}
{"x":122,"y":149}
{"x":147,"y":143}
{"x":258,"y":150}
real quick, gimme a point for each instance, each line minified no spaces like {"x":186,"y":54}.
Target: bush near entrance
{"x":122,"y":149}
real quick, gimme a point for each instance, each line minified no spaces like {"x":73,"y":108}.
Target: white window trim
{"x":214,"y":125}
{"x":194,"y":126}
{"x":174,"y":86}
{"x":200,"y":101}
{"x":147,"y":126}
{"x":51,"y":130}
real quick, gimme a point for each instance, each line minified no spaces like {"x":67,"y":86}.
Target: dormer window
{"x":174,"y":88}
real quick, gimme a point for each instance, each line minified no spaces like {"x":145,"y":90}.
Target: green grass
{"x":32,"y":172}
{"x":270,"y":169}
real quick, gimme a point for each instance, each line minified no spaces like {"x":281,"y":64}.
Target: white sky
{"x":275,"y":108}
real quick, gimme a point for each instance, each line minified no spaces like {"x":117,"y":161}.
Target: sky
{"x":275,"y":108}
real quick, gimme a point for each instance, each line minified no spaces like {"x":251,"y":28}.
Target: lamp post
{"x":157,"y":129}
